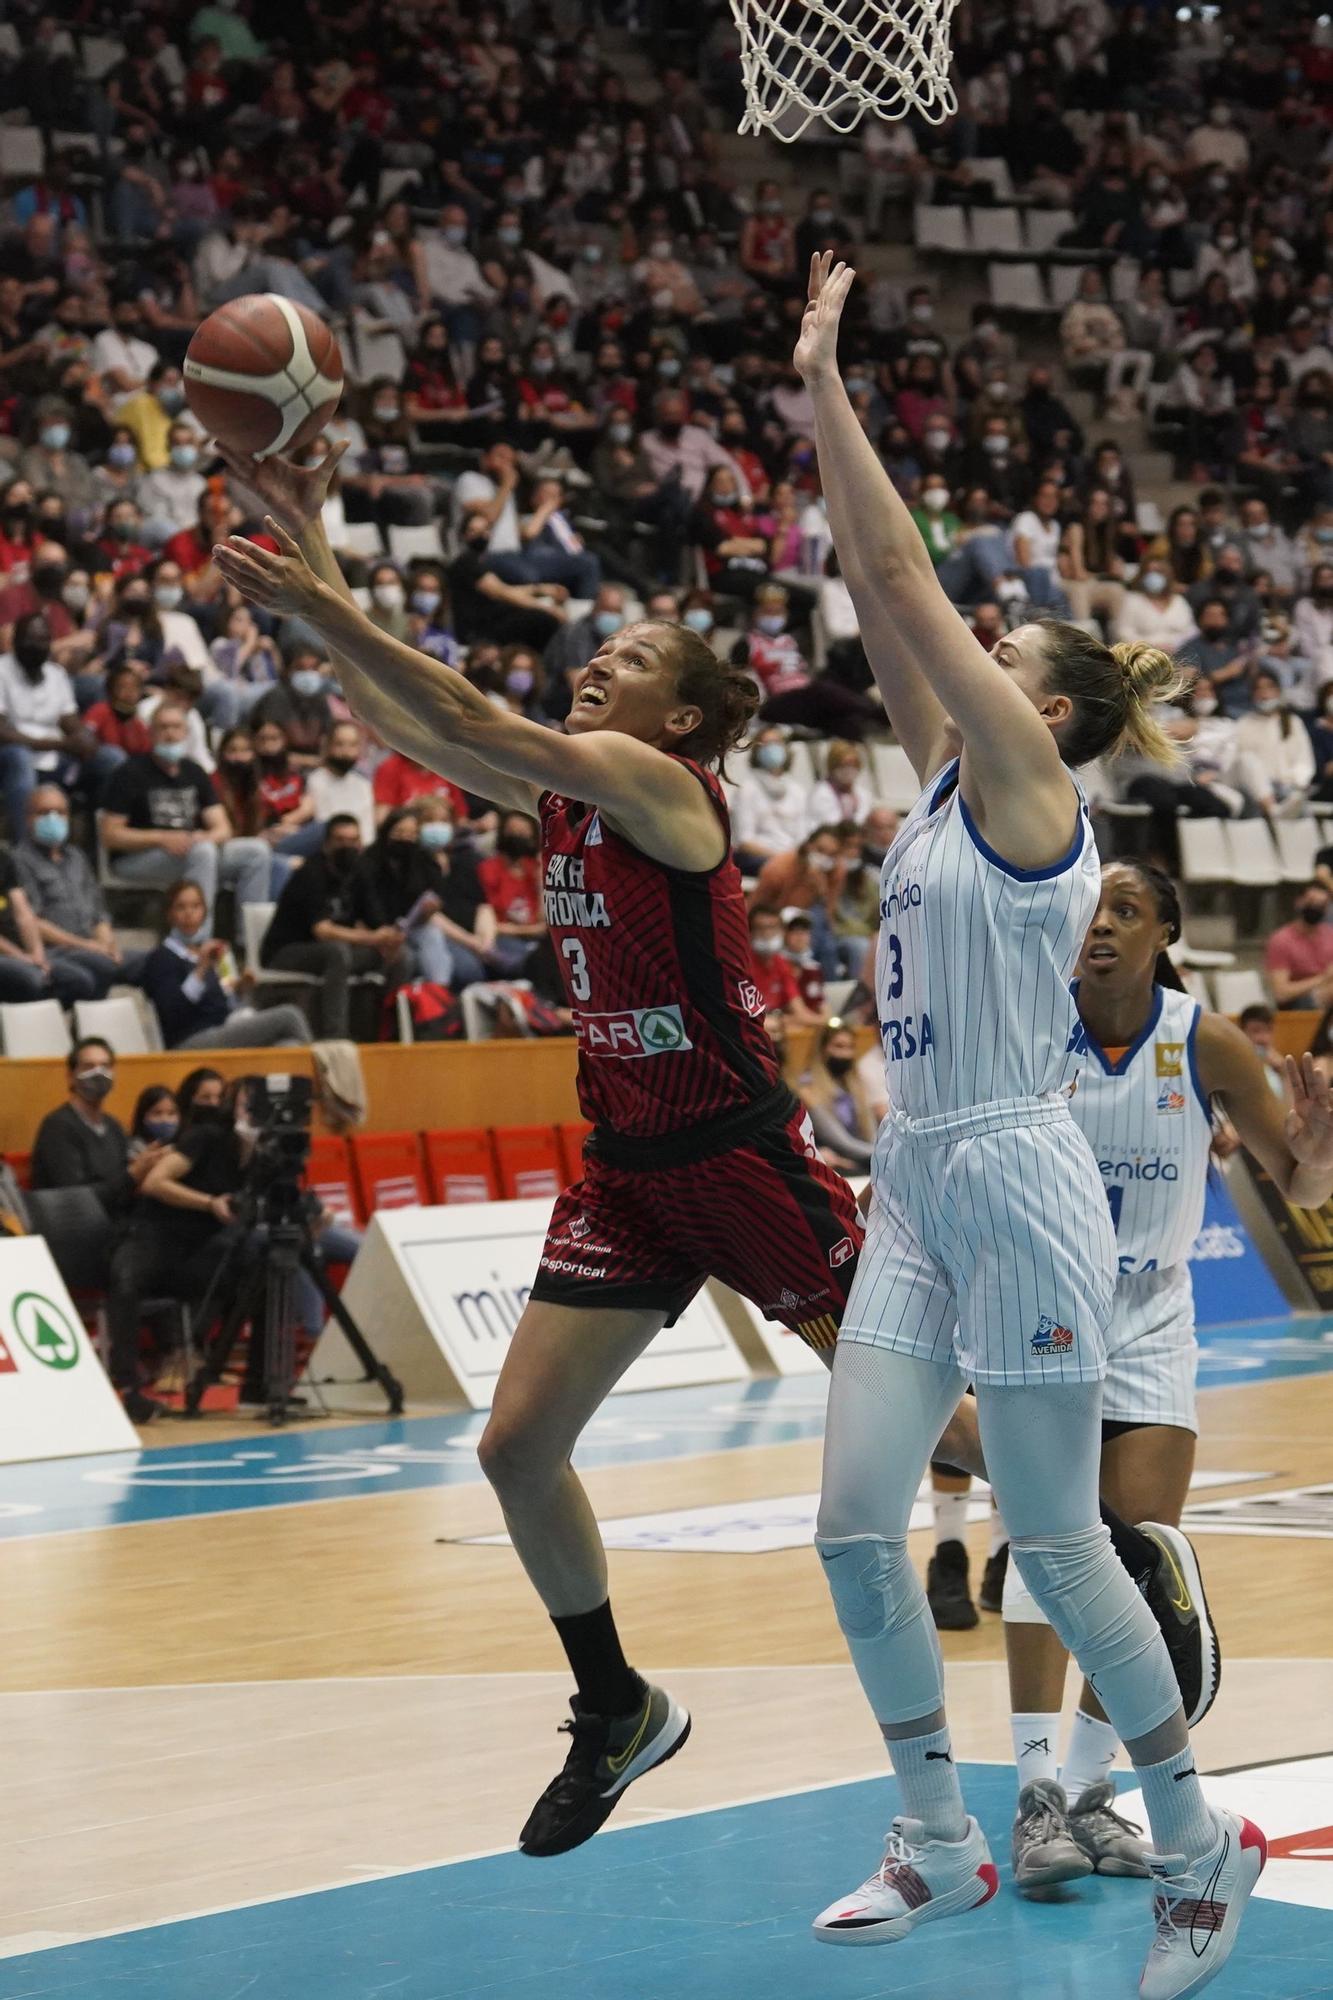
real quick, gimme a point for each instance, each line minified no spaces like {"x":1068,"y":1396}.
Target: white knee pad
{"x":886,"y":1622}
{"x":1093,"y":1606}
{"x":1019,"y":1606}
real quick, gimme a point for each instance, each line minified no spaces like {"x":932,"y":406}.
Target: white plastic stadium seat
{"x":996,"y":173}
{"x":1017,"y":288}
{"x":1196,"y":986}
{"x":22,"y":151}
{"x":101,"y":54}
{"x":803,"y":763}
{"x":1233,"y":991}
{"x":121,"y":1023}
{"x":940,"y":228}
{"x":995,"y":231}
{"x":1254,"y":858}
{"x":1063,"y":280}
{"x":363,"y":538}
{"x":837,"y":993}
{"x":407,"y":543}
{"x":1124,"y":285}
{"x":1043,"y":227}
{"x":1203,"y":851}
{"x":255,"y":920}
{"x":34,"y":1028}
{"x":895,"y":781}
{"x":1298,"y":841}
{"x":375,"y":354}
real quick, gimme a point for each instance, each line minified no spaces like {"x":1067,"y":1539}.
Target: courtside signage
{"x":55,"y":1399}
{"x":439,"y":1292}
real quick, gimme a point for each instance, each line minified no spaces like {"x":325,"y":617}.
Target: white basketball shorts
{"x":989,"y":1245}
{"x":1152,"y":1356}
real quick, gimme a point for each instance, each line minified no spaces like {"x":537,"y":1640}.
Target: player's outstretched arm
{"x":926,"y":662}
{"x":1295,"y":1146}
{"x":467,"y":738}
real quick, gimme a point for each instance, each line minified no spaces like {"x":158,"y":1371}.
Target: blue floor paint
{"x":314,"y":1463}
{"x":712,"y":1907}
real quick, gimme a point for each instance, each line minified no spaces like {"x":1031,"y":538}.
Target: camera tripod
{"x":262,"y":1289}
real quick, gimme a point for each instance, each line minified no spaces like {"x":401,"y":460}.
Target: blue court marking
{"x":716,"y":1906}
{"x":281,"y":1469}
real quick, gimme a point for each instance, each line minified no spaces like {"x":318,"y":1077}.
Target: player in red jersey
{"x":700,"y":1162}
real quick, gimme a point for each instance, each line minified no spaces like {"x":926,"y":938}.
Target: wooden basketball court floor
{"x":273,"y":1707}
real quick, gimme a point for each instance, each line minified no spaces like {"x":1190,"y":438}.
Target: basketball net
{"x":830,"y":61}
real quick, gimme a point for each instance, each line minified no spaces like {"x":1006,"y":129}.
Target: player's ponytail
{"x":727,"y":696}
{"x":1114,"y":691}
{"x":1166,"y":898}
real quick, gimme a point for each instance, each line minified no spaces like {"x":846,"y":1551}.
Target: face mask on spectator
{"x":668,"y":367}
{"x":75,"y":596}
{"x":821,"y":217}
{"x":47,"y":579}
{"x":821,"y":863}
{"x":660,"y":248}
{"x":699,"y":618}
{"x":455,"y":234}
{"x":509,"y":236}
{"x":161,"y":1131}
{"x":516,"y":845}
{"x":1267,"y":704}
{"x":1154,"y":583}
{"x":1312,"y":913}
{"x":765,"y":947}
{"x":240,"y":772}
{"x":308,"y":681}
{"x":198,"y":936}
{"x":518,"y":681}
{"x":857,"y":384}
{"x":51,"y":829}
{"x":55,"y":436}
{"x":95,"y":1084}
{"x":184,"y":457}
{"x":923,"y":312}
{"x":770,"y":208}
{"x":1259,"y":531}
{"x":123,"y":530}
{"x":167,"y":596}
{"x":936,"y":498}
{"x":389,"y":596}
{"x":771,"y":622}
{"x":32,"y":655}
{"x":121,"y":455}
{"x":435,"y":834}
{"x":425,"y":601}
{"x":622,"y":433}
{"x":996,"y":446}
{"x":937,"y":440}
{"x":771,"y":756}
{"x":386,"y":413}
{"x":1205,"y":704}
{"x":592,"y":253}
{"x":606,"y":622}
{"x":170,"y":753}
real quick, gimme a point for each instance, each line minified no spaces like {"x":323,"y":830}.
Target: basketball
{"x":263,"y":374}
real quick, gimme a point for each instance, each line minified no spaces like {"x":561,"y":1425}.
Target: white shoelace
{"x":898,"y":1852}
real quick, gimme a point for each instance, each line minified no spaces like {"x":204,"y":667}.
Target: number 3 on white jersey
{"x":580,"y":986}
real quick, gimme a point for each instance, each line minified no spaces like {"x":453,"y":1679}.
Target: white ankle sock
{"x":1092,"y":1750}
{"x":928,"y":1781}
{"x":999,"y":1534}
{"x":1177,"y":1810}
{"x":950,"y":1517}
{"x":1036,"y":1740}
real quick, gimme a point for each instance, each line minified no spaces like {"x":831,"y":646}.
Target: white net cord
{"x":831,"y":61}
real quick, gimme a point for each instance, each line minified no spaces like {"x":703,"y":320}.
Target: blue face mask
{"x":171,"y":400}
{"x":699,"y":618}
{"x":55,"y":437}
{"x":436,"y":833}
{"x":201,"y":936}
{"x":771,"y":756}
{"x":772,"y":622}
{"x":121,"y":455}
{"x":161,"y":1131}
{"x":51,"y":829}
{"x":605,"y":623}
{"x":170,"y":753}
{"x":184,"y":457}
{"x":307,"y":682}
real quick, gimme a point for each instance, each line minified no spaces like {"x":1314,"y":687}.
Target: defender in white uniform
{"x":1154,"y":1065}
{"x":994,"y":1255}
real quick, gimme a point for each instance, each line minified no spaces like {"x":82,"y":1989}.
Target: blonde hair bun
{"x":1152,"y":674}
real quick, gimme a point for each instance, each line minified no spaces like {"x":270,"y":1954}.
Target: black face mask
{"x":340,"y":766}
{"x":398,"y":853}
{"x":240,"y":772}
{"x":205,"y":1114}
{"x":340,"y":860}
{"x":18,"y":515}
{"x":839,"y":1066}
{"x":274,"y":764}
{"x":48,"y":579}
{"x":515,"y":845}
{"x":1312,"y":913}
{"x":32,"y":655}
{"x":671,"y":431}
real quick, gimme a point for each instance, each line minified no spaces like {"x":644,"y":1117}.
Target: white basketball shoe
{"x":1198,"y":1909}
{"x":918,"y":1880}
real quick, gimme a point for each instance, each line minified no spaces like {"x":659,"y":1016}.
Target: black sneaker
{"x":606,"y":1755}
{"x":947,"y":1592}
{"x":1173,"y":1593}
{"x":141,"y":1409}
{"x":991,"y":1595}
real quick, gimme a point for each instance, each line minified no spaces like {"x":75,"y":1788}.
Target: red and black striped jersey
{"x":657,"y":965}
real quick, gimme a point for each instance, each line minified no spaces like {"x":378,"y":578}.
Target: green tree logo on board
{"x":661,"y":1029}
{"x":45,"y":1330}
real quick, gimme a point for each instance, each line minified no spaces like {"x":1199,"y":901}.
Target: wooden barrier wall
{"x":415,"y":1089}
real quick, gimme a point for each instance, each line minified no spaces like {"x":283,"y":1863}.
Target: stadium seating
{"x":389,"y":1170}
{"x":460,"y":1166}
{"x":530,"y":1161}
{"x":330,"y":1175}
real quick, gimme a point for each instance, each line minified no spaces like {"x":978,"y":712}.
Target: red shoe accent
{"x":990,"y":1875}
{"x":1253,"y":1836}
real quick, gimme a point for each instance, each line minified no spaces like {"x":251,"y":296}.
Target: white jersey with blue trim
{"x":975,"y":958}
{"x":1146,"y":1119}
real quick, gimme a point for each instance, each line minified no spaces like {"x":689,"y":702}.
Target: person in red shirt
{"x":281,"y":786}
{"x":39,"y":592}
{"x":511,"y":878}
{"x":120,"y":546}
{"x":398,"y":781}
{"x":1299,"y":957}
{"x":17,"y":533}
{"x":114,"y":720}
{"x":774,"y":974}
{"x":192,"y":549}
{"x":798,"y":948}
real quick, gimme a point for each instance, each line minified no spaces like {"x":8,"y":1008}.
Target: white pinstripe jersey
{"x":1146,"y":1119}
{"x":974,"y":960}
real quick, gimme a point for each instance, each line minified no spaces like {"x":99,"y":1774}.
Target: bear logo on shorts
{"x":1051,"y":1338}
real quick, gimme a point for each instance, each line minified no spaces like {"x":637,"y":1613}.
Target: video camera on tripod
{"x":276,"y":1239}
